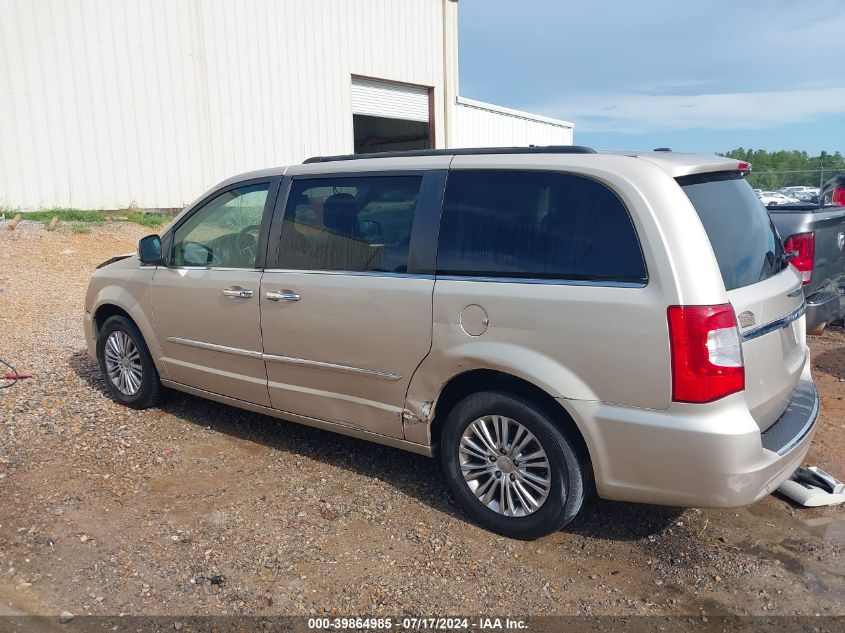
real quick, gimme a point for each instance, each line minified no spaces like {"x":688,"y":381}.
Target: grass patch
{"x":66,"y":215}
{"x":81,"y":228}
{"x":77,"y":216}
{"x":150,"y":220}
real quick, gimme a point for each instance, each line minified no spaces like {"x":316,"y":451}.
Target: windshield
{"x":746,"y":243}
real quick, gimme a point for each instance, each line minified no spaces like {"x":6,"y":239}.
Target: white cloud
{"x":637,"y":112}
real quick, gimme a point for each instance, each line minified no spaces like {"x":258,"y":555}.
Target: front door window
{"x":224,"y":232}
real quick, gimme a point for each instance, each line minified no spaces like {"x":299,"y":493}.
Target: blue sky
{"x":693,"y":75}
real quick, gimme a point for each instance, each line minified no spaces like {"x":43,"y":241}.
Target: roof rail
{"x":531,"y":149}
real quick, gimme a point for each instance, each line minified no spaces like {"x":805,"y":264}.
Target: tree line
{"x":772,"y":170}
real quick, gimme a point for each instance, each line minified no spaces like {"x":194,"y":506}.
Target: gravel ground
{"x":198,"y":508}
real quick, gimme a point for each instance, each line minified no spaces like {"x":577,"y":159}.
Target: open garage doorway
{"x":379,"y":134}
{"x":389,"y":116}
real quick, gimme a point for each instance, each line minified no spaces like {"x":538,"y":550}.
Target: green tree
{"x":784,"y":168}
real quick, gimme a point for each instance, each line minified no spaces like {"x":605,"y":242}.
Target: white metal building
{"x":107,"y":103}
{"x":479,"y":124}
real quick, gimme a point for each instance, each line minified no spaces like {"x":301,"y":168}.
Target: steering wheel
{"x":246,"y":242}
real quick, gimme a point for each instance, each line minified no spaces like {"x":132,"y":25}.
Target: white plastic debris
{"x":813,"y":487}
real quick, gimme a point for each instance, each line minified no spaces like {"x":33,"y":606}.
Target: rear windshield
{"x":747,"y":246}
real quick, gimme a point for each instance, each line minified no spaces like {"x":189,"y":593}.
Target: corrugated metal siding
{"x":393,"y":101}
{"x":108,"y":102}
{"x":477,"y":124}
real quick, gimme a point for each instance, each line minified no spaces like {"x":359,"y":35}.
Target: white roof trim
{"x":520,"y":114}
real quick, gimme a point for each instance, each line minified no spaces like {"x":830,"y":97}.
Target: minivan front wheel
{"x":126,"y":364}
{"x":510,"y":467}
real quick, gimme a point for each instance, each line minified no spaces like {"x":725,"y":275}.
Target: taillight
{"x":838,"y":196}
{"x":805,"y":245}
{"x":706,"y":353}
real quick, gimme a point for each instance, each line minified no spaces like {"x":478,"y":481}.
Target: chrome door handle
{"x":240,"y":293}
{"x":282,"y":295}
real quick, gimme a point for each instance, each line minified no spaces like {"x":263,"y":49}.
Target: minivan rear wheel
{"x":126,"y":364}
{"x":510,"y":467}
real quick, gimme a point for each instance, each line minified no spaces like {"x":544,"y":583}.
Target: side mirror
{"x":149,"y":250}
{"x":369,"y":230}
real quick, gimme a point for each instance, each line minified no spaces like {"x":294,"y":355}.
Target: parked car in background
{"x":833,"y":191}
{"x":549,"y":321}
{"x":814,"y":240}
{"x":806,"y":197}
{"x":791,"y":191}
{"x":775,"y":198}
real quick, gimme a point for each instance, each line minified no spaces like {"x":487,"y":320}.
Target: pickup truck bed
{"x":822,"y":227}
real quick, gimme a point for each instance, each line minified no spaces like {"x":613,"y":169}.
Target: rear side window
{"x":744,"y":240}
{"x":544,"y":225}
{"x":353,"y":224}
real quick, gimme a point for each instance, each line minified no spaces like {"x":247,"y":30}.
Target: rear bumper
{"x":822,"y":308}
{"x":797,"y":421}
{"x":696,"y":455}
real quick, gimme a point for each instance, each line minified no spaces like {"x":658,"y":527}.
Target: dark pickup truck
{"x":814,"y":239}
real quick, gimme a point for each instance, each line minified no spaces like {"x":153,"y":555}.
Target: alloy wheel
{"x":123,"y":363}
{"x":505,"y":466}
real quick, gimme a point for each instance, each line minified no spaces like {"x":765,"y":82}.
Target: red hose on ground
{"x":13,"y":376}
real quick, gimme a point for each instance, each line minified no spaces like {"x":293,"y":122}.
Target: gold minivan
{"x":550,"y":321}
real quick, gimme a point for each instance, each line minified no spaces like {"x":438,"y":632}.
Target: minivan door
{"x":346,"y":309}
{"x":205,"y":299}
{"x":765,"y":291}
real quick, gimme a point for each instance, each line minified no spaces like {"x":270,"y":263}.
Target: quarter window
{"x":224,"y":232}
{"x":354,"y":224}
{"x":545,"y":225}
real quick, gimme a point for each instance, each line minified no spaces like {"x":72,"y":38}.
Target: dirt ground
{"x":198,"y":508}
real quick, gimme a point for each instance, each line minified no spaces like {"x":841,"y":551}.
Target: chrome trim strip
{"x":370,"y":373}
{"x":814,"y":415}
{"x":290,"y":360}
{"x":777,"y":324}
{"x":353,"y":273}
{"x":510,"y":280}
{"x":224,"y":268}
{"x":551,"y":282}
{"x":215,"y":348}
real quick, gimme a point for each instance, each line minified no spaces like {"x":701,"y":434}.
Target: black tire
{"x":150,"y":390}
{"x":569,"y":469}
